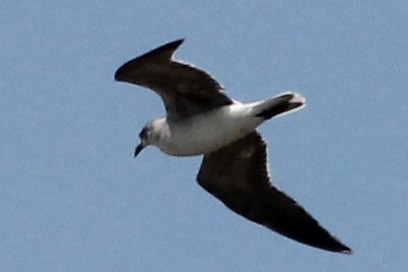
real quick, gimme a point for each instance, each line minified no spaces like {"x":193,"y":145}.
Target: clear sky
{"x":73,"y":198}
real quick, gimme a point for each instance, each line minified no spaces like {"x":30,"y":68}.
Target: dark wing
{"x":186,"y":90}
{"x":237,"y":174}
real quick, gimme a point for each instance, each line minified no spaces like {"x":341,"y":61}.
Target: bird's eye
{"x":143,"y":133}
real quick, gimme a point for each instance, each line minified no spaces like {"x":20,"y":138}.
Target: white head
{"x":150,"y":134}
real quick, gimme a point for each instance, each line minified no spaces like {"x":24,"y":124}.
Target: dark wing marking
{"x":185,"y":89}
{"x":237,"y":174}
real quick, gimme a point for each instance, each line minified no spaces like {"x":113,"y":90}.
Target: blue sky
{"x":73,"y":198}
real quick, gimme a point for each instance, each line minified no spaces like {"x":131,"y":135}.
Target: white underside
{"x":210,"y":131}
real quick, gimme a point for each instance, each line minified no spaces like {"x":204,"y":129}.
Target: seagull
{"x":202,"y":120}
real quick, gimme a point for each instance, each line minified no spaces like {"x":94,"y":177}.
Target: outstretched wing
{"x":238,"y":175}
{"x":185,"y":89}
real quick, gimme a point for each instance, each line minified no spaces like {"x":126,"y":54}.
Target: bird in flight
{"x":202,"y":120}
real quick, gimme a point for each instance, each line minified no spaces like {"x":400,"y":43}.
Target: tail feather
{"x":279,"y":105}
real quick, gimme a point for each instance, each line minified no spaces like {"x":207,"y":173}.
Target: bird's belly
{"x":195,"y":145}
{"x":205,"y":135}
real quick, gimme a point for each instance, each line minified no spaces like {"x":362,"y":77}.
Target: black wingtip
{"x":344,"y":249}
{"x":330,"y":243}
{"x":166,"y":49}
{"x":171,"y":45}
{"x":160,"y":54}
{"x":347,"y":251}
{"x":339,"y":248}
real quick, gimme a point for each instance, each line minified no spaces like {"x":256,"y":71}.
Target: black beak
{"x":138,"y":149}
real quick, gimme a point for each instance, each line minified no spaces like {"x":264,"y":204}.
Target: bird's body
{"x":208,"y":132}
{"x":202,"y":120}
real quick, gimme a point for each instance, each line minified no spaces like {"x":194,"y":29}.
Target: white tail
{"x":282,"y":104}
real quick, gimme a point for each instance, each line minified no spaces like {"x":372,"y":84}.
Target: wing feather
{"x":186,"y":90}
{"x":237,"y":175}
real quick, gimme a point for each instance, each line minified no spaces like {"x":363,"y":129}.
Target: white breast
{"x":209,"y":131}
